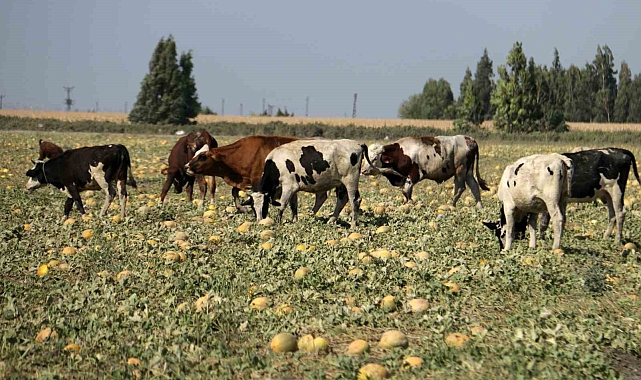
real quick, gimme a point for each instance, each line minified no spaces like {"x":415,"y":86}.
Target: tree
{"x":607,"y":85}
{"x":557,"y":83}
{"x":466,"y":100}
{"x":634,"y":112}
{"x":168,"y":92}
{"x":622,"y":102}
{"x":435,"y":102}
{"x":482,"y":88}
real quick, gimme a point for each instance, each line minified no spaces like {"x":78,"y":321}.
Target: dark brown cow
{"x":241,"y":164}
{"x":48,"y":150}
{"x":176,"y":174}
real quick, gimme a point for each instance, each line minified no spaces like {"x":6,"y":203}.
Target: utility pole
{"x":263,"y":106}
{"x":125,"y":107}
{"x":222,"y":108}
{"x":307,"y":106}
{"x":68,"y":101}
{"x":241,"y":109}
{"x":1,"y":97}
{"x":96,"y":106}
{"x":354,"y":109}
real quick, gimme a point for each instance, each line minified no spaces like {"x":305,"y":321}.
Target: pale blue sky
{"x":283,"y":51}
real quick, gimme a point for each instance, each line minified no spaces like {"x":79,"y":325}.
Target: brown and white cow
{"x":313,"y":166}
{"x":413,"y":159}
{"x":530,"y":186}
{"x":601,"y":174}
{"x":176,"y":173}
{"x":241,"y":164}
{"x":91,"y":168}
{"x":48,"y":150}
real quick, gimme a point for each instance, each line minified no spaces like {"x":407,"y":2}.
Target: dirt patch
{"x":626,"y":364}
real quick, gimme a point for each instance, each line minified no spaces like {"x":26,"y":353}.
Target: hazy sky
{"x":283,"y":51}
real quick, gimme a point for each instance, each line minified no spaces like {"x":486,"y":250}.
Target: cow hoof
{"x":331,"y":220}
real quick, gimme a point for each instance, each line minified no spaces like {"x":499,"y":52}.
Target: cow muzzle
{"x":189,"y":171}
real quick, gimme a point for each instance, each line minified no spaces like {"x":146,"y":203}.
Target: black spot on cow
{"x":290,"y":166}
{"x":297,"y":177}
{"x":423,"y":173}
{"x":304,"y":179}
{"x":428,"y":156}
{"x":270,"y":180}
{"x":516,"y":171}
{"x":353,"y":159}
{"x":550,"y":171}
{"x":312,"y":161}
{"x":508,"y":184}
{"x":514,"y":183}
{"x":444,"y":170}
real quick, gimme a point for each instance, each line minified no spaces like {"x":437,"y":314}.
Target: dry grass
{"x":335,"y":121}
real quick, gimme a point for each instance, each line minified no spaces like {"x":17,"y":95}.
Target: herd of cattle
{"x":276,"y":168}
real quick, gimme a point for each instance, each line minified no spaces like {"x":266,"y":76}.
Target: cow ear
{"x":493,"y":226}
{"x":40,"y":142}
{"x":217,"y":156}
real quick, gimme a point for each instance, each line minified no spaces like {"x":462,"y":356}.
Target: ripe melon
{"x":266,"y":246}
{"x":418,"y":305}
{"x":72,"y":347}
{"x":388,"y":303}
{"x":357,"y":347}
{"x":266,"y":234}
{"x":259,"y":303}
{"x":321,"y":345}
{"x":453,"y":287}
{"x":456,"y":339}
{"x":301,"y":272}
{"x":87,"y":234}
{"x":393,"y":339}
{"x":170,"y":224}
{"x":372,"y":371}
{"x":266,"y":222}
{"x":43,"y":335}
{"x":382,"y":229}
{"x":43,"y":270}
{"x":180,"y":236}
{"x":412,"y":362}
{"x":306,"y":343}
{"x":244,"y":227}
{"x":283,"y":342}
{"x":355,"y":236}
{"x":69,"y":251}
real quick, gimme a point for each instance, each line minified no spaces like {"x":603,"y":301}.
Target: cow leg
{"x":474,"y":188}
{"x":68,"y":207}
{"x":75,"y":196}
{"x":556,"y":214}
{"x":110,"y":193}
{"x":211,"y":183}
{"x":459,"y":188}
{"x":234,"y":194}
{"x":545,"y":222}
{"x":122,"y":194}
{"x":617,"y":204}
{"x":190,"y":188}
{"x":341,"y":201}
{"x":509,"y":226}
{"x":532,"y":229}
{"x":166,"y":187}
{"x":293,"y":204}
{"x":320,"y":200}
{"x":284,"y":201}
{"x":202,"y":185}
{"x":407,"y":190}
{"x":355,"y":201}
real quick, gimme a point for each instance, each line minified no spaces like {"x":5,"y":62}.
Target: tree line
{"x":529,"y":97}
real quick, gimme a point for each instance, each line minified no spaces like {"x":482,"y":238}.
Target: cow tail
{"x":127,"y":161}
{"x":569,"y":166}
{"x":366,"y":153}
{"x":480,"y":180}
{"x":634,"y":166}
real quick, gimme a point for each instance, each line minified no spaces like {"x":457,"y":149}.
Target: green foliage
{"x":634,"y":115}
{"x":280,"y":113}
{"x":208,"y":111}
{"x":606,"y":84}
{"x":168,"y":92}
{"x":482,"y":89}
{"x":435,"y":102}
{"x":624,"y":93}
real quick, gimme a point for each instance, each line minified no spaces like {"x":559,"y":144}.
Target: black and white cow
{"x":313,"y":166}
{"x":530,"y":186}
{"x":601,"y":174}
{"x":413,"y":159}
{"x":90,"y":168}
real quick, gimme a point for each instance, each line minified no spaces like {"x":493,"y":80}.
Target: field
{"x":120,"y":305}
{"x":373,"y":123}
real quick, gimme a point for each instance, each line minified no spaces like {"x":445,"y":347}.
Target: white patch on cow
{"x":109,"y":145}
{"x":374,"y":153}
{"x":606,"y":186}
{"x":33,"y":184}
{"x":204,"y":149}
{"x":98,"y":175}
{"x":259,"y":199}
{"x":605,"y":151}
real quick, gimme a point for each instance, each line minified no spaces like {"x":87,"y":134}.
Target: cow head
{"x":37,"y":176}
{"x":260,"y":204}
{"x":202,"y":160}
{"x":499,"y":228}
{"x":375,"y":153}
{"x":195,"y":141}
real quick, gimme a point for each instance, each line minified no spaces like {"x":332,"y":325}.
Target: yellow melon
{"x":357,"y":347}
{"x":393,"y":339}
{"x":43,"y":270}
{"x":372,"y":371}
{"x":456,"y":339}
{"x":283,"y":342}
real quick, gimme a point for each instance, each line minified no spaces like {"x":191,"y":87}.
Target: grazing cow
{"x":48,"y":150}
{"x":90,"y":168}
{"x":176,"y":173}
{"x":413,"y":159}
{"x":530,"y":186}
{"x":601,"y":174}
{"x":314,"y":166}
{"x":241,"y":164}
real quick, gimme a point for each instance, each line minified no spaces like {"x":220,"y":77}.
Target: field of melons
{"x":184,"y":292}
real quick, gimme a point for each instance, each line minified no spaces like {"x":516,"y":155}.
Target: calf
{"x":413,"y":159}
{"x":241,"y":164}
{"x":314,"y":166}
{"x":48,"y":150}
{"x":176,"y":173}
{"x":90,"y":168}
{"x":601,"y":174}
{"x":530,"y":186}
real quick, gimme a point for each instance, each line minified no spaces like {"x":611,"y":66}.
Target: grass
{"x":541,"y":314}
